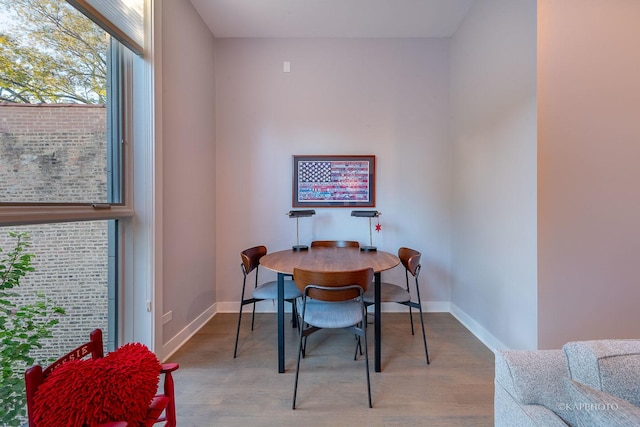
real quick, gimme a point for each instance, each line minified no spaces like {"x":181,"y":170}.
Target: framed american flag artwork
{"x":334,"y":181}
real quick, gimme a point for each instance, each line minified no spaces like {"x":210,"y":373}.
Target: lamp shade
{"x":301,"y":213}
{"x":365,"y":214}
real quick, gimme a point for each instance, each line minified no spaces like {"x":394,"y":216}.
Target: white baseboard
{"x":186,"y":333}
{"x":476,"y":329}
{"x":270,"y":307}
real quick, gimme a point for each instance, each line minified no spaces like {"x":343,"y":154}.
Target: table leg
{"x":377,"y":322}
{"x":280,"y":323}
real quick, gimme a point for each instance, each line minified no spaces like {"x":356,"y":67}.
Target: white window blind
{"x":123,"y":19}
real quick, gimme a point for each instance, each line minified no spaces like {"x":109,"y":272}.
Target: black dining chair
{"x":390,"y":292}
{"x":332,"y":300}
{"x":265,"y":291}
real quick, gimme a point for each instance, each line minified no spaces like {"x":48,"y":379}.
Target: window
{"x":64,"y":159}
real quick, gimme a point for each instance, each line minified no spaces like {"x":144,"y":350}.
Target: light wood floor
{"x":214,"y":389}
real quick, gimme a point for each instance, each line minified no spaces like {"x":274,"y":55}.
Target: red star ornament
{"x":378,"y":227}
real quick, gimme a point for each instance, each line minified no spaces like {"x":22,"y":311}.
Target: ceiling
{"x":332,"y":18}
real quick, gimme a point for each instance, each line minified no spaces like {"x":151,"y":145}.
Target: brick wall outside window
{"x":56,"y":153}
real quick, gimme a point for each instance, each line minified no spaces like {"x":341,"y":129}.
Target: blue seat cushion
{"x":323,"y":314}
{"x":269,"y":290}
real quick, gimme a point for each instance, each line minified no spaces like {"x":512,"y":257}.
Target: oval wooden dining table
{"x":329,"y":259}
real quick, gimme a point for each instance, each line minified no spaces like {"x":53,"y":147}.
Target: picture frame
{"x":334,"y":181}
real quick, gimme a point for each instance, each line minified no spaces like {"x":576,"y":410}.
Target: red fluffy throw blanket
{"x":118,"y":387}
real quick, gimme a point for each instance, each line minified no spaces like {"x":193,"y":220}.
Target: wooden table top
{"x":329,"y":259}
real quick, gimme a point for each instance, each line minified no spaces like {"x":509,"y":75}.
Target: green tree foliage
{"x":22,"y":329}
{"x":51,"y":53}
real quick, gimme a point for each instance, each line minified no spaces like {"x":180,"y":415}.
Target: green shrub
{"x":22,"y":329}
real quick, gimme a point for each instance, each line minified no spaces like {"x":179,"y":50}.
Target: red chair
{"x":162,"y":407}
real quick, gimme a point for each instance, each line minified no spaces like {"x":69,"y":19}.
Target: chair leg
{"x":235,"y":348}
{"x":419,"y":307}
{"x":411,"y":320}
{"x":294,"y":314}
{"x":253,"y":315}
{"x":366,"y":362}
{"x":424,"y":336}
{"x":170,"y":414}
{"x":300,"y":350}
{"x":358,"y":346}
{"x":304,"y":346}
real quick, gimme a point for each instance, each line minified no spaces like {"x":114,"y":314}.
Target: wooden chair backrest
{"x":333,"y":279}
{"x":335,"y":244}
{"x":251,"y":258}
{"x":35,"y":375}
{"x":410,"y":258}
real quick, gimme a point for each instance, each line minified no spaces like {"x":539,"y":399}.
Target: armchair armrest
{"x":535,"y":378}
{"x":531,"y":377}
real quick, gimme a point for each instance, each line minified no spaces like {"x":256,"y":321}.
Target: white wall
{"x":589,"y":198}
{"x":186,"y":187}
{"x":493,"y":106}
{"x":384,"y":97}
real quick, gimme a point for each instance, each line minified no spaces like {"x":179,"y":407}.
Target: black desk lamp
{"x":370,"y":215}
{"x":297,"y":215}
